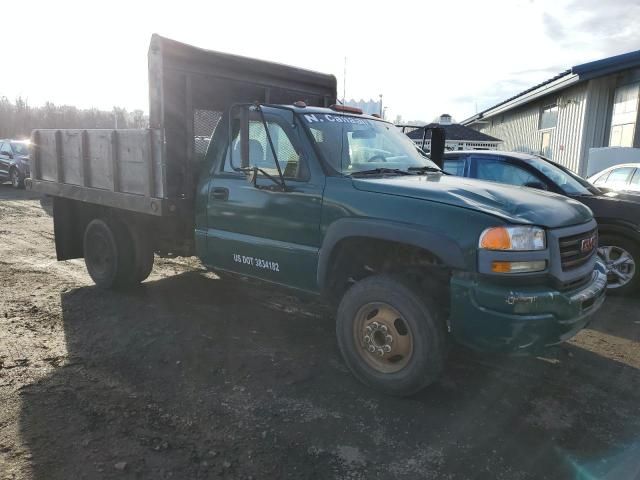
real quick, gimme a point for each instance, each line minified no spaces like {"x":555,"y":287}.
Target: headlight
{"x":514,"y":238}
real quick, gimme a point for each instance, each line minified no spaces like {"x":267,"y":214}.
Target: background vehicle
{"x":618,"y":215}
{"x":320,"y":198}
{"x":625,"y":177}
{"x":14,"y":162}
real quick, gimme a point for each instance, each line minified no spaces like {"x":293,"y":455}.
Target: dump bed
{"x":154,"y":170}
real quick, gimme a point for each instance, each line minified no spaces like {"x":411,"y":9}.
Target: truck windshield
{"x":569,"y":182}
{"x":352,"y":144}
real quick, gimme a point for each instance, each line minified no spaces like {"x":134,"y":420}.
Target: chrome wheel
{"x":621,"y":266}
{"x":383,"y":338}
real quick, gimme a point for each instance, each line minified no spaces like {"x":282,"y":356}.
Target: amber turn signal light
{"x":518,"y":267}
{"x":497,"y":238}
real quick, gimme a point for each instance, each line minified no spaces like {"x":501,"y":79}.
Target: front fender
{"x":442,"y":246}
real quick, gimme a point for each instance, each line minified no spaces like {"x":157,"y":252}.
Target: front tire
{"x":391,"y":336}
{"x":622,"y":259}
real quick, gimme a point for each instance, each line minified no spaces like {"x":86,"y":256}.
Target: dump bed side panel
{"x":119,"y":168}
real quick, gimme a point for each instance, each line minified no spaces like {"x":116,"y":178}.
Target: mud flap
{"x":65,"y":226}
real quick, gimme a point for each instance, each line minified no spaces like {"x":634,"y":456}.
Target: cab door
{"x":261,"y":228}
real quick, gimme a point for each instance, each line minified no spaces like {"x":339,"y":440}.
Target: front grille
{"x":571,"y":253}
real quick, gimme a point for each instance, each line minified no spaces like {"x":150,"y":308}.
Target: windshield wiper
{"x":426,"y":168}
{"x":380,"y":171}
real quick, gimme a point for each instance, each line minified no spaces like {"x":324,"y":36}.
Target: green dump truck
{"x":292,"y":189}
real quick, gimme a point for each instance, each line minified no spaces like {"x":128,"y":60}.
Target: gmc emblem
{"x":588,"y":244}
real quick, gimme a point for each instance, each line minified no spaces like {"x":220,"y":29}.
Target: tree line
{"x":18,"y":118}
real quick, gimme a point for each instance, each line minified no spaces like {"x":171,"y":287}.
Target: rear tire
{"x":408,"y":351}
{"x":108,"y":254}
{"x":622,"y":277}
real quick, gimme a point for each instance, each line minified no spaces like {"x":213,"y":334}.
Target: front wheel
{"x":391,"y":337}
{"x":622,"y":259}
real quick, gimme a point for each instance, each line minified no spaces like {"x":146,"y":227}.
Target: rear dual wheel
{"x":391,"y":335}
{"x":116,"y":255}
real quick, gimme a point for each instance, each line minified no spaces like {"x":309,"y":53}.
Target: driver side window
{"x":261,"y":154}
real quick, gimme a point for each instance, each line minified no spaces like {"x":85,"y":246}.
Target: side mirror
{"x":437,"y":146}
{"x":8,"y":154}
{"x":538,"y":185}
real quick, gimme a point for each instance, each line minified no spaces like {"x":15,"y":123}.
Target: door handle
{"x":220,"y":193}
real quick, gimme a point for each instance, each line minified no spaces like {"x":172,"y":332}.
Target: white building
{"x":588,"y":106}
{"x":457,"y":137}
{"x":367,"y":106}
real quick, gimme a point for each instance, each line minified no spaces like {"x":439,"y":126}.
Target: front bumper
{"x":499,"y":318}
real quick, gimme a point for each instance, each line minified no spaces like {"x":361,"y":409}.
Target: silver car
{"x":625,"y":177}
{"x":14,"y":162}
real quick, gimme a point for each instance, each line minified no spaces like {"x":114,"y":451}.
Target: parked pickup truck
{"x":321,"y":198}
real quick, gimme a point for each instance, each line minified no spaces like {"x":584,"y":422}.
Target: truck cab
{"x":322,"y":198}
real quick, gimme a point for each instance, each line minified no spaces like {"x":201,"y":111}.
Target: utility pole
{"x":381,"y":112}
{"x":344,"y":82}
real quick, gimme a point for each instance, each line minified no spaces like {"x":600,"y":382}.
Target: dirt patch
{"x":193,"y":376}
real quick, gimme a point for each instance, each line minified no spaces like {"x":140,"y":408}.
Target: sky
{"x":424,"y":57}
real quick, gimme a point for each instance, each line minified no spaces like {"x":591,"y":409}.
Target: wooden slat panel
{"x":125,"y":161}
{"x":150,"y":184}
{"x":115,"y":161}
{"x":59,"y":157}
{"x":84,"y":164}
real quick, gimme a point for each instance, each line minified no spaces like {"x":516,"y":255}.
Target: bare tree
{"x":18,"y":118}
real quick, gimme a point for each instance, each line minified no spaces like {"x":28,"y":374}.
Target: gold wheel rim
{"x":382,"y":337}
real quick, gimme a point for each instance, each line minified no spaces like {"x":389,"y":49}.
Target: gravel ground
{"x":193,"y":376}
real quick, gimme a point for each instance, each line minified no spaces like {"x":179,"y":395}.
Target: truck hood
{"x":512,"y":204}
